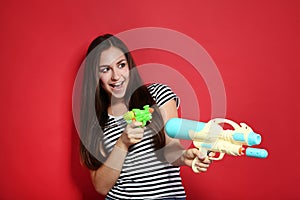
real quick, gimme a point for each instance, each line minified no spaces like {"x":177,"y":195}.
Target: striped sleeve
{"x":162,"y":93}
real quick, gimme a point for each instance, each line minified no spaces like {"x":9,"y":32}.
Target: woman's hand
{"x":132,"y":134}
{"x":203,"y":161}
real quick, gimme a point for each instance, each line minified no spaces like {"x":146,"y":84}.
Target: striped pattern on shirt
{"x":143,"y":175}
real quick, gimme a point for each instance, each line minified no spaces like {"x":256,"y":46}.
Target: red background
{"x":255,"y":45}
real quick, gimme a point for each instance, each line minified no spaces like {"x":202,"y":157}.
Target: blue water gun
{"x":211,"y":136}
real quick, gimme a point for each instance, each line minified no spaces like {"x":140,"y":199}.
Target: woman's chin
{"x":118,"y":94}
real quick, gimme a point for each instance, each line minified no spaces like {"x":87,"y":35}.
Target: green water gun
{"x":139,"y":115}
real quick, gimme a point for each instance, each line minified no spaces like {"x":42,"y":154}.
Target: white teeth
{"x":117,"y":84}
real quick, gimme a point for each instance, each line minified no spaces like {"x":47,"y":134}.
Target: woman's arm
{"x":105,"y":177}
{"x":174,"y":151}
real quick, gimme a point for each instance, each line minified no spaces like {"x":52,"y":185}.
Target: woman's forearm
{"x":173,"y":153}
{"x":105,"y":177}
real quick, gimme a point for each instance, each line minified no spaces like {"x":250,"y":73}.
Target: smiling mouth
{"x":117,"y":85}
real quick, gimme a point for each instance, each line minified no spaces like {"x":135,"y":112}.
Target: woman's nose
{"x":115,"y":75}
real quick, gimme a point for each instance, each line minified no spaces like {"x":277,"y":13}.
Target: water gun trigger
{"x":220,"y":157}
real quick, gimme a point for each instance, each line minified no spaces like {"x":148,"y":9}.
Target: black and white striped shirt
{"x":143,"y":175}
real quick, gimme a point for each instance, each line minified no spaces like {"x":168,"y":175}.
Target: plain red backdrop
{"x":255,"y":45}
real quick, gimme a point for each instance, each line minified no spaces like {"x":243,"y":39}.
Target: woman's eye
{"x":122,"y":65}
{"x":103,"y":69}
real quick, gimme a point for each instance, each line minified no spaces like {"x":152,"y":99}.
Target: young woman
{"x":128,"y":161}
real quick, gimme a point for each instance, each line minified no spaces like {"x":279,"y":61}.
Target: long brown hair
{"x":95,"y":102}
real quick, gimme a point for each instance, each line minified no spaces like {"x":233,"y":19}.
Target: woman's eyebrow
{"x":101,"y":66}
{"x":120,"y":61}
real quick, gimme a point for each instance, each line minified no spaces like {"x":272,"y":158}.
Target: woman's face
{"x":113,"y":72}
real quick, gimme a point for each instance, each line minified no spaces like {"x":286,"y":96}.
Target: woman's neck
{"x":117,"y":108}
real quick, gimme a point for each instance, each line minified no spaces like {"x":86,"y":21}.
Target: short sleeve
{"x":162,"y":93}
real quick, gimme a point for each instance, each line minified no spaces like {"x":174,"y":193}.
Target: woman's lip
{"x":118,"y":85}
